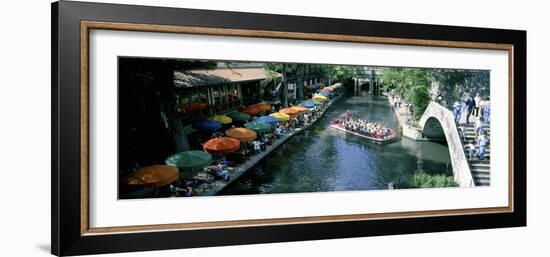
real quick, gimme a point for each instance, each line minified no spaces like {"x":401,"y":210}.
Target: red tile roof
{"x":193,"y":78}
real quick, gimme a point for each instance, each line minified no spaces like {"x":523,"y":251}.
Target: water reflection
{"x":324,"y":159}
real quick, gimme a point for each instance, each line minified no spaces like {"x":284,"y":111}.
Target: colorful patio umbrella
{"x":252,"y":110}
{"x":300,"y":109}
{"x":289,"y":111}
{"x":242,"y":134}
{"x":260,"y":127}
{"x":153,"y":176}
{"x":329,"y":89}
{"x":239,"y":116}
{"x":264,"y":107}
{"x":307,"y":104}
{"x":222,"y":145}
{"x":207,"y":125}
{"x":325,"y":94}
{"x":280,"y":116}
{"x":221,"y":118}
{"x":189,"y":159}
{"x":268,"y":119}
{"x":319,"y":98}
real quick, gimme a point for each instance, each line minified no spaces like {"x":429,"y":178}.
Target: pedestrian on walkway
{"x":463,"y":114}
{"x":470,"y":104}
{"x":478,"y":126}
{"x":456,"y":110}
{"x":257,"y":146}
{"x":471,"y":151}
{"x":482,"y":143}
{"x":477,"y":100}
{"x":487,"y":112}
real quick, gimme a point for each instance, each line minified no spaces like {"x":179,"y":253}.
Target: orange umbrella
{"x":264,"y":107}
{"x":299,"y":109}
{"x":153,"y":176}
{"x":329,"y":89}
{"x":242,"y":134}
{"x":289,"y":111}
{"x":252,"y":110}
{"x":222,"y":145}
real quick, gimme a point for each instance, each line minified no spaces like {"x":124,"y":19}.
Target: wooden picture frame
{"x":71,"y":24}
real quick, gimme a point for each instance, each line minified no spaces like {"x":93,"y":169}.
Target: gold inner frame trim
{"x":86,"y":26}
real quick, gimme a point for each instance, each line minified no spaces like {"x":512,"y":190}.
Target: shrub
{"x":423,"y":180}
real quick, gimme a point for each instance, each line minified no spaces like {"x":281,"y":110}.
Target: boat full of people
{"x":364,"y":128}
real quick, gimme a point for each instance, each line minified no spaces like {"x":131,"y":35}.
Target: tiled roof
{"x":194,"y":78}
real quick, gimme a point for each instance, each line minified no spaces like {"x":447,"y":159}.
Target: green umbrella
{"x":240,"y":116}
{"x":259,"y":127}
{"x":189,"y":160}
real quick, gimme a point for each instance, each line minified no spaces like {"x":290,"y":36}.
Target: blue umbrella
{"x":268,"y":119}
{"x":308,"y":104}
{"x":207,"y":125}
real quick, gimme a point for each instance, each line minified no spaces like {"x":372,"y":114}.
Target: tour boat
{"x":337,"y":124}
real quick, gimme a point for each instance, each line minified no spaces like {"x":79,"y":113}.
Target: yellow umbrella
{"x":242,"y":134}
{"x":280,"y":116}
{"x":319,"y":98}
{"x":299,"y":109}
{"x":221,"y":118}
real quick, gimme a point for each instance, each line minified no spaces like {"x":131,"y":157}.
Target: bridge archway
{"x":433,"y":130}
{"x":438,"y":124}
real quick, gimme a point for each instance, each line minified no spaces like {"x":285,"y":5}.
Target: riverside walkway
{"x":217,"y":185}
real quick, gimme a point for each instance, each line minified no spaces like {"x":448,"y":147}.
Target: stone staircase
{"x":480,"y":168}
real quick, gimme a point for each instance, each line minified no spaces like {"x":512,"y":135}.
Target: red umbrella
{"x":252,"y":110}
{"x":222,"y":145}
{"x":264,"y":107}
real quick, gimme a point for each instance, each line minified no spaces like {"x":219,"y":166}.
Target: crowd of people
{"x":364,"y":127}
{"x":480,"y":109}
{"x":472,"y":106}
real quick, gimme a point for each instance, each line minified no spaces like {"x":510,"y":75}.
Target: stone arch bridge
{"x":438,"y":124}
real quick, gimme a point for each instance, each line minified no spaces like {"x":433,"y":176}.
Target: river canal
{"x":322,"y":159}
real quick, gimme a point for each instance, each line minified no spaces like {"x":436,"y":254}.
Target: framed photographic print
{"x":177,"y":128}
